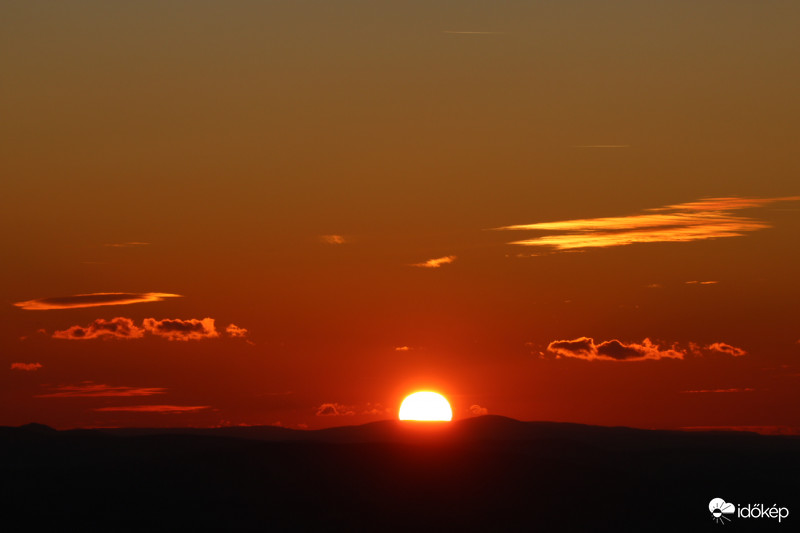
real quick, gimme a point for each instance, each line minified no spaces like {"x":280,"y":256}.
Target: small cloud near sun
{"x":334,"y":409}
{"x":27,"y":367}
{"x":401,"y":348}
{"x":477,"y":410}
{"x":437,"y":262}
{"x":333,"y":239}
{"x":375,"y":409}
{"x":95,"y":299}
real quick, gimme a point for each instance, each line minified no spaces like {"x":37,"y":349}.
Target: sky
{"x":298,"y":212}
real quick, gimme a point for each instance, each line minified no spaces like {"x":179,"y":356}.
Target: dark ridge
{"x":38,"y":428}
{"x":481,"y":474}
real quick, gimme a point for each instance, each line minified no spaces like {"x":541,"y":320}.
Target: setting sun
{"x":427,"y":406}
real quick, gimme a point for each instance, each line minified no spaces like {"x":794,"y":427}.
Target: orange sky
{"x":299,"y":212}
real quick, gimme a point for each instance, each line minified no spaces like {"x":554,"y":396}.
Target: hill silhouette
{"x":486,"y":473}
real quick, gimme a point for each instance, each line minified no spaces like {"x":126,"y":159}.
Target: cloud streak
{"x":709,"y":218}
{"x":95,"y":299}
{"x":585,"y":348}
{"x":702,"y":391}
{"x":333,"y":239}
{"x":26,"y":367}
{"x":455,"y":32}
{"x":126,"y":244}
{"x":89,"y":389}
{"x":722,"y":347}
{"x":436,"y":263}
{"x":602,"y":146}
{"x":165,"y":409}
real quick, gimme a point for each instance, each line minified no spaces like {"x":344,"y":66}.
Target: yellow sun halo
{"x":424,"y":405}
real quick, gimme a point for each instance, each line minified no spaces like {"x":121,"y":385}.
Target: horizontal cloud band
{"x":614,"y":350}
{"x":96,"y":299}
{"x":710,"y":218}
{"x":174,"y":329}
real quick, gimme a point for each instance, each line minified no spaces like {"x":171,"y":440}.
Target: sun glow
{"x":427,"y":406}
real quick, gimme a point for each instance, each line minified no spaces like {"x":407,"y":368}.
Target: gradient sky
{"x":297,"y":212}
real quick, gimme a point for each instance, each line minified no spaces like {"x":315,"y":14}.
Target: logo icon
{"x":719,"y":508}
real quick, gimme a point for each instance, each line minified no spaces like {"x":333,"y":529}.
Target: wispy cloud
{"x":126,"y":244}
{"x":166,"y":409}
{"x":27,"y":367}
{"x":459,"y":32}
{"x":89,"y":389}
{"x":710,"y":218}
{"x":695,"y":282}
{"x":116,"y":328}
{"x":436,"y":263}
{"x":401,"y":348}
{"x":585,"y":348}
{"x":722,"y":347}
{"x":333,"y":239}
{"x":703,"y":391}
{"x":602,"y":146}
{"x":176,"y":329}
{"x":95,"y":299}
{"x":235,"y":331}
{"x":375,"y":409}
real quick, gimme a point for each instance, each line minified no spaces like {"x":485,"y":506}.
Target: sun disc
{"x":426,"y":406}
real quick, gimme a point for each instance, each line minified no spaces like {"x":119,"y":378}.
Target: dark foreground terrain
{"x":482,"y":474}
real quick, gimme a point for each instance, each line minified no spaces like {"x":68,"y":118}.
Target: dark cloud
{"x":96,"y":299}
{"x":116,"y":328}
{"x":28,"y":367}
{"x":176,"y":329}
{"x":613,"y":350}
